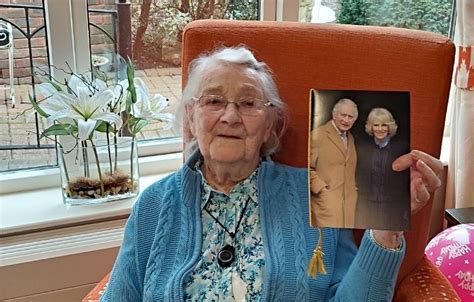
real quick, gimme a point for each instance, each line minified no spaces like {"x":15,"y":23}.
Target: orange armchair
{"x":346,"y":57}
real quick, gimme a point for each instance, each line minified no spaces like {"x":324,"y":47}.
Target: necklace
{"x":226,"y":255}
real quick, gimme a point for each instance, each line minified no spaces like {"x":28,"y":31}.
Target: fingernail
{"x":416,"y":153}
{"x":420,"y":162}
{"x":396,"y":167}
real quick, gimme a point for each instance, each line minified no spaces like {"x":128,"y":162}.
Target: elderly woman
{"x":232,"y":225}
{"x":383,"y":195}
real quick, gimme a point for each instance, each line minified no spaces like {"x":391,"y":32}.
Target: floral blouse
{"x":211,"y":282}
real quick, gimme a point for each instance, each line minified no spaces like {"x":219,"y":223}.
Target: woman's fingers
{"x":419,"y":195}
{"x":403,"y":162}
{"x":432,"y":180}
{"x":426,"y":165}
{"x":423,"y":173}
{"x":406,"y":160}
{"x":435,"y":164}
{"x":422,"y":193}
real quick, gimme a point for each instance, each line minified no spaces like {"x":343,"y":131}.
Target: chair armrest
{"x":423,"y":282}
{"x":95,"y":294}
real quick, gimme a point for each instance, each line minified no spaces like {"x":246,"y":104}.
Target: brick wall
{"x":100,"y":44}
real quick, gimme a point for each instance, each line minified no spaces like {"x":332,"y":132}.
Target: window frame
{"x":68,"y":41}
{"x":31,"y":198}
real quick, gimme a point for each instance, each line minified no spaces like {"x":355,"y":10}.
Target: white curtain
{"x":460,"y":183}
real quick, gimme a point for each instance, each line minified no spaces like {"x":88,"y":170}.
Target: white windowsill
{"x":43,"y":209}
{"x":36,"y":225}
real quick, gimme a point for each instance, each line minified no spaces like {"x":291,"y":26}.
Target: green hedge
{"x":430,"y":15}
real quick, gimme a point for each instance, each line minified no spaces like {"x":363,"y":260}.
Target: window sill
{"x":43,"y":209}
{"x":36,"y":225}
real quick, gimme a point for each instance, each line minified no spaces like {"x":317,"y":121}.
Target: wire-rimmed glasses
{"x":218,"y":103}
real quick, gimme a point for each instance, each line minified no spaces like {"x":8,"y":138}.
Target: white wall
{"x":67,"y":278}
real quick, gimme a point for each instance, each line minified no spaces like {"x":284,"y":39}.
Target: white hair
{"x":239,"y":55}
{"x":343,"y":101}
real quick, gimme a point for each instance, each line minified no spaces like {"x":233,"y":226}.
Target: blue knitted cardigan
{"x":162,"y":244}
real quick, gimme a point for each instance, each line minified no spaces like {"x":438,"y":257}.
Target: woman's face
{"x":380,"y":130}
{"x":227,"y":136}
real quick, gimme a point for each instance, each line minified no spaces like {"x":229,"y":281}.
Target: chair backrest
{"x":344,"y":57}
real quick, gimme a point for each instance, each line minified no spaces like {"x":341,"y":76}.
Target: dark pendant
{"x":226,"y":256}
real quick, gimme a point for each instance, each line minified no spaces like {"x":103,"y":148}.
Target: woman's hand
{"x":424,"y":171}
{"x":424,"y":180}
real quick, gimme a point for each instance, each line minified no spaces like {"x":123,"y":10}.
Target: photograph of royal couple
{"x":355,"y":138}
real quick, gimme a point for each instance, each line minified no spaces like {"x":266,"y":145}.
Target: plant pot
{"x":99,"y":172}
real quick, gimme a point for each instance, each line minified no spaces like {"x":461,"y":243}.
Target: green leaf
{"x":131,"y":84}
{"x":139,"y":125}
{"x":52,"y":82}
{"x":70,"y":91}
{"x":37,"y":107}
{"x":102,"y":127}
{"x":59,"y":129}
{"x":130,"y":69}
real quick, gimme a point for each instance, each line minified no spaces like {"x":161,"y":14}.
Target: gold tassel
{"x":316,"y":264}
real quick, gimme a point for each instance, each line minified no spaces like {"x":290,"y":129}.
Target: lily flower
{"x":147,"y":107}
{"x":86,"y":109}
{"x":84,"y":104}
{"x":51,"y":102}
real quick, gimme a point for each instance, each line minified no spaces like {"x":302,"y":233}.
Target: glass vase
{"x":99,"y":172}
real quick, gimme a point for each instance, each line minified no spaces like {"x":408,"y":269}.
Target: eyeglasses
{"x":218,"y":103}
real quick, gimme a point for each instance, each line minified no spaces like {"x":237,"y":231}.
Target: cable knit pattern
{"x":301,"y":255}
{"x":162,"y":244}
{"x":184,"y":248}
{"x":279,"y":255}
{"x":159,"y":245}
{"x":270,"y":220}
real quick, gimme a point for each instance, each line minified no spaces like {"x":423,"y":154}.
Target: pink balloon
{"x":452,"y":252}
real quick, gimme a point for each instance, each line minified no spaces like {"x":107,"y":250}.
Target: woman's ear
{"x":189,"y":118}
{"x":269,"y":127}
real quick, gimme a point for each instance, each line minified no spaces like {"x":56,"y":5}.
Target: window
{"x":20,"y":144}
{"x":82,"y":33}
{"x":156,"y":38}
{"x":429,"y":15}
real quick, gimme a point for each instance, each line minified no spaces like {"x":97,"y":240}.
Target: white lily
{"x":85,"y":105}
{"x":86,"y":109}
{"x":52,"y":102}
{"x":147,"y":107}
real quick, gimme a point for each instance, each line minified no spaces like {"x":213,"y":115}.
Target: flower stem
{"x":85,"y":159}
{"x":98,"y":169}
{"x":66,"y":174}
{"x":108,"y":149}
{"x":116,"y":151}
{"x":131,"y":165}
